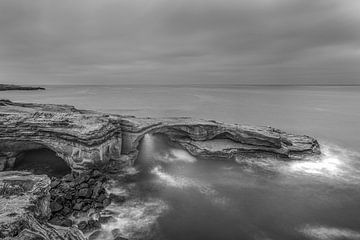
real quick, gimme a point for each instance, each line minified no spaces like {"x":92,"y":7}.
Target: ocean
{"x":177,"y":196}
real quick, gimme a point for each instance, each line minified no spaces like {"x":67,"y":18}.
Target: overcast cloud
{"x":179,"y":41}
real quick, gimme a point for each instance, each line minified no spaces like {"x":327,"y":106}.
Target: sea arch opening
{"x":36,"y":158}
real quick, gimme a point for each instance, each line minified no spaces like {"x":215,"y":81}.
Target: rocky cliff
{"x":86,"y":138}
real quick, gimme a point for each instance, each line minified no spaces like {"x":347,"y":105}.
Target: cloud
{"x":179,"y":41}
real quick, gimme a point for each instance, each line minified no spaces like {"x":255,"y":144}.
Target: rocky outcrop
{"x":8,"y":87}
{"x":25,"y":207}
{"x":212,"y":139}
{"x":81,"y":138}
{"x":85,"y":139}
{"x":82,"y":195}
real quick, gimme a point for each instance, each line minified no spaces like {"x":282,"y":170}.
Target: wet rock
{"x":61,"y":221}
{"x":24,"y":215}
{"x":98,"y":205}
{"x":78,"y":206}
{"x":84,"y":192}
{"x":86,"y":208}
{"x":82,"y":179}
{"x":68,"y":178}
{"x":101,"y":198}
{"x":117,"y":234}
{"x":96,"y":173}
{"x":55,"y":206}
{"x":84,"y":185}
{"x":54,"y":183}
{"x":106,"y":202}
{"x":66,"y":211}
{"x":116,"y":198}
{"x":97,"y":189}
{"x":106,"y":219}
{"x":96,"y":235}
{"x":82,"y":225}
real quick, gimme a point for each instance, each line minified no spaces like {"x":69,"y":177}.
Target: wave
{"x":335,"y":162}
{"x":319,"y":232}
{"x":184,"y":182}
{"x":135,"y":219}
{"x":174,"y":155}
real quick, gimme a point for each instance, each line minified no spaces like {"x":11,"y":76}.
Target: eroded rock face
{"x":81,"y":138}
{"x":215,"y":140}
{"x":25,"y":207}
{"x":85,"y":138}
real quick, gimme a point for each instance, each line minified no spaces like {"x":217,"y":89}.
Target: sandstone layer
{"x":86,"y":139}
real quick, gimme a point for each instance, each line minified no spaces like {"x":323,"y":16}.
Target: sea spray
{"x":185,"y":183}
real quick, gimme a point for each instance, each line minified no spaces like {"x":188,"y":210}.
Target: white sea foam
{"x":174,"y":155}
{"x":135,"y":219}
{"x":319,"y":232}
{"x":185,"y":182}
{"x":335,"y":162}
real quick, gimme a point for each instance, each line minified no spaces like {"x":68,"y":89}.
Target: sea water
{"x":176,"y":196}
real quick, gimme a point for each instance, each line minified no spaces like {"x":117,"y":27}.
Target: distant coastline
{"x":9,"y":87}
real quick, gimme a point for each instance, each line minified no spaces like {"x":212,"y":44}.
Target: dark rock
{"x":101,"y":198}
{"x":84,"y":185}
{"x":78,"y":206}
{"x":97,"y":189}
{"x":117,"y":235}
{"x":117,"y":198}
{"x":55,"y":207}
{"x":66,"y":211}
{"x":54,"y":183}
{"x":98,"y":205}
{"x":96,"y":235}
{"x":120,"y":238}
{"x":84,"y":192}
{"x":91,"y":181}
{"x":106,"y":202}
{"x":61,"y":221}
{"x":68,"y":196}
{"x":86,"y":207}
{"x":81,"y":179}
{"x":68,"y":178}
{"x":82,"y":225}
{"x":106,"y":219}
{"x":96,"y":173}
{"x":56,"y":221}
{"x":67,"y":223}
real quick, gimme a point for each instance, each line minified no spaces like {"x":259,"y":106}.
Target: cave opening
{"x":41,"y":161}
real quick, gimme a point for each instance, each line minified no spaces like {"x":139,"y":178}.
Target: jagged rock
{"x":68,"y":178}
{"x":86,"y":139}
{"x":82,"y":225}
{"x":25,"y":202}
{"x":101,"y":198}
{"x":55,"y":206}
{"x":78,"y":206}
{"x":84,"y":192}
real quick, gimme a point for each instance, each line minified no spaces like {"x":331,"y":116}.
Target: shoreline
{"x":102,"y":144}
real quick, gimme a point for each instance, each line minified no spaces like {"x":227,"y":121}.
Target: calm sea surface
{"x":176,"y":197}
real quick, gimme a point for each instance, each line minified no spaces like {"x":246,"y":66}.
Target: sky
{"x":180,"y":42}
